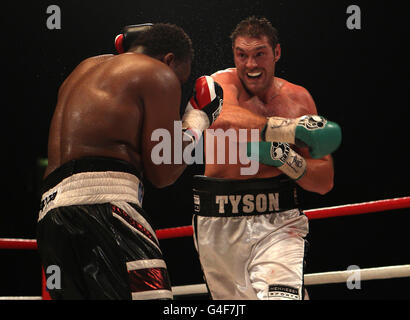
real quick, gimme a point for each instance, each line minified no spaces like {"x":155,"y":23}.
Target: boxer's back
{"x":99,"y":111}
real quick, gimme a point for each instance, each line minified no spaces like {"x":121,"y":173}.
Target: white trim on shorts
{"x":145,"y":264}
{"x":92,"y":188}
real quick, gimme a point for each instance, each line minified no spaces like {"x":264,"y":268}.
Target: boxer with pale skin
{"x":249,"y":231}
{"x":252,"y":93}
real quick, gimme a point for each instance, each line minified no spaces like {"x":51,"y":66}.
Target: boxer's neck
{"x":271,"y":92}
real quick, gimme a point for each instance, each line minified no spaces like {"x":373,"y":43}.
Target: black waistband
{"x":87,"y":164}
{"x":224,"y":197}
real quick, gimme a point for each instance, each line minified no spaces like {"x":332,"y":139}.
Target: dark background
{"x":358,"y":78}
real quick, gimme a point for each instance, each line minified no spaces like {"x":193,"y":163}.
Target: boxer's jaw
{"x":182,"y":69}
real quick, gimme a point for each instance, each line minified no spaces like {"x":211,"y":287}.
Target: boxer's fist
{"x":279,"y":155}
{"x":321,"y":136}
{"x":204,"y":106}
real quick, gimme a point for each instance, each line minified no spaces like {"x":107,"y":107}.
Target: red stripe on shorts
{"x":149,"y":279}
{"x":133,"y":223}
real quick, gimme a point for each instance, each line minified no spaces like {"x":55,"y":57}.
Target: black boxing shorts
{"x":250,"y":237}
{"x":92,"y":227}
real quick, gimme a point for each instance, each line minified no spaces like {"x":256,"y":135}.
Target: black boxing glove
{"x":123,"y":41}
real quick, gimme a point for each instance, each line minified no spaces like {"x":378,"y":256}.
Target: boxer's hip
{"x":245,"y":209}
{"x":91,"y":214}
{"x":244,"y":229}
{"x":215,"y":197}
{"x":88,"y":181}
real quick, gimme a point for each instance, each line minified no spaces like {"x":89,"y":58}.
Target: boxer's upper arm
{"x":310,"y":105}
{"x":307,"y":101}
{"x":161,"y":99}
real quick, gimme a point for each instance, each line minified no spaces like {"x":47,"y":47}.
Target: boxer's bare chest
{"x":240,"y":114}
{"x":280,"y":105}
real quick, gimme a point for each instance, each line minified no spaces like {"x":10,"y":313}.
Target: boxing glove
{"x":203,"y":107}
{"x":279,"y":155}
{"x":130,"y":33}
{"x":321,"y":136}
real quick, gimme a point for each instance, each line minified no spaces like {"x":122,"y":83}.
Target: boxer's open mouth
{"x":254,"y":75}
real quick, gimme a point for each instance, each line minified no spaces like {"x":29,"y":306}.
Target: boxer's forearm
{"x":173,"y":173}
{"x":169,"y":161}
{"x":318,"y":176}
{"x":234,"y":116}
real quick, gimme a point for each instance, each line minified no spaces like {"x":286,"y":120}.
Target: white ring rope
{"x":365,"y":274}
{"x":309,"y":279}
{"x":22,"y":298}
{"x":390,"y":272}
{"x":320,"y":278}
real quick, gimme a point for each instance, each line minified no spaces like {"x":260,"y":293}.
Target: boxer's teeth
{"x":254,"y":74}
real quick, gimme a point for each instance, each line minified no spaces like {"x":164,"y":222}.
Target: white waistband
{"x":92,"y":188}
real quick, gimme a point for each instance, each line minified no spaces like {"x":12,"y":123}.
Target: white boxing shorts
{"x":250,"y":237}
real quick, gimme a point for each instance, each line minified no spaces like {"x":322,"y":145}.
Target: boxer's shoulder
{"x":226,"y":76}
{"x":230,"y":83}
{"x":131,"y":63}
{"x":91,"y":61}
{"x":297,"y":94}
{"x":82,"y":69}
{"x":141,"y":71}
{"x":224,"y":72}
{"x":292,"y":89}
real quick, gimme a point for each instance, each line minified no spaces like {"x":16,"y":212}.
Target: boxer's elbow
{"x":321,"y":184}
{"x":325,"y":187}
{"x":164,"y":178}
{"x":323,"y":176}
{"x":321,"y":188}
{"x":158,"y":184}
{"x":325,"y":183}
{"x":161,"y":182}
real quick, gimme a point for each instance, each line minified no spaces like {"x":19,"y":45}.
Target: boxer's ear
{"x":277,"y":53}
{"x":168,"y":58}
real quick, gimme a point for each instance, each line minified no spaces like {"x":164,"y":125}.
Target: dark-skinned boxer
{"x":91,"y":222}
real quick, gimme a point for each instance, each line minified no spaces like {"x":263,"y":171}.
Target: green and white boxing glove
{"x":279,"y":155}
{"x":321,"y":136}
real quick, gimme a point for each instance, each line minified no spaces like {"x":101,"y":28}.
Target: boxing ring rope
{"x":329,"y":212}
{"x":388,"y":272}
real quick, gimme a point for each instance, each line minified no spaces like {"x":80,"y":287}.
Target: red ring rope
{"x":337,"y":211}
{"x":177,"y":232}
{"x":20,"y":244}
{"x":359,"y":208}
{"x":187,"y":231}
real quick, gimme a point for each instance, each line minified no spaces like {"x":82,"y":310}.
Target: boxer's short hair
{"x":256,"y":28}
{"x":164,"y":38}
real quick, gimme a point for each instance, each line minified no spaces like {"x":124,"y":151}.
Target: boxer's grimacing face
{"x":255,"y":62}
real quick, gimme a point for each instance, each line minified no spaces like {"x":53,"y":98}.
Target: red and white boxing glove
{"x":204,"y":106}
